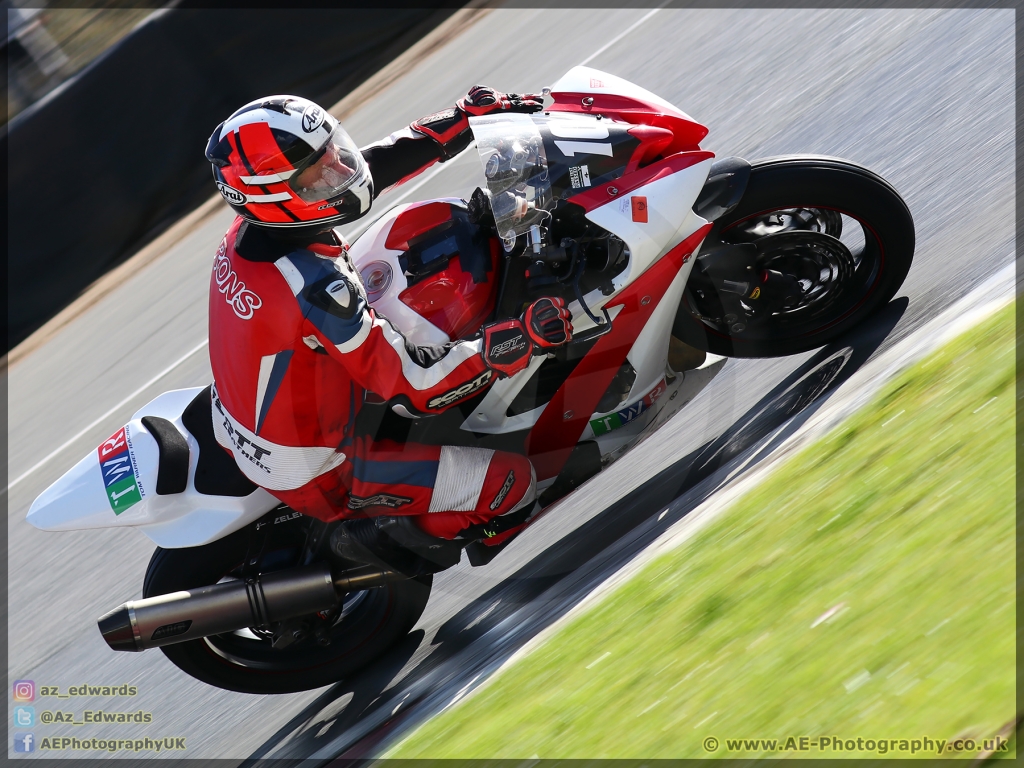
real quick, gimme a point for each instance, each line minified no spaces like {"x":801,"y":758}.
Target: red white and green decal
{"x":120,"y":476}
{"x":621,"y":418}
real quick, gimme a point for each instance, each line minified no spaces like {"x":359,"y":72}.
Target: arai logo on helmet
{"x":231,"y":194}
{"x":312,"y":118}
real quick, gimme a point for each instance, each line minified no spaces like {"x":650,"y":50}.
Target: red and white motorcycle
{"x":669,"y":260}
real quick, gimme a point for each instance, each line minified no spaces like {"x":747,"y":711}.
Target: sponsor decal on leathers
{"x":255,"y":451}
{"x":274,"y":466}
{"x":380,"y":500}
{"x":461,"y":391}
{"x":509,"y":482}
{"x":444,"y":114}
{"x":622,"y":418}
{"x":120,"y":472}
{"x":243,"y":301}
{"x":339,"y":291}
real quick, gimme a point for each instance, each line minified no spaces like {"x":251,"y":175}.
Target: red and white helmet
{"x":283,"y":161}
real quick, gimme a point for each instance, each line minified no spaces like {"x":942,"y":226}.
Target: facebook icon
{"x":24,"y":742}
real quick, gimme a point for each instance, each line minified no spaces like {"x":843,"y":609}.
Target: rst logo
{"x":243,"y":301}
{"x":120,"y":477}
{"x":380,"y":500}
{"x":509,"y":345}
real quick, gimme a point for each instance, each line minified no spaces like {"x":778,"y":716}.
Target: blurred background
{"x":45,"y":46}
{"x":127,"y":97}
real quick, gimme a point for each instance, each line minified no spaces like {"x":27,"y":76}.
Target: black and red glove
{"x":482,"y":100}
{"x":547,"y":322}
{"x":509,"y":344}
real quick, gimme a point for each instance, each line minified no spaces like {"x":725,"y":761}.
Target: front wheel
{"x":252,"y":660}
{"x":814,"y":247}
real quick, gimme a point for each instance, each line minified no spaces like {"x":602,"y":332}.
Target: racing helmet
{"x":283,"y":161}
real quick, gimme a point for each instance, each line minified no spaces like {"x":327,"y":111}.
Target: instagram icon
{"x":24,"y":690}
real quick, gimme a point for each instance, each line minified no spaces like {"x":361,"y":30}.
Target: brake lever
{"x":590,"y":334}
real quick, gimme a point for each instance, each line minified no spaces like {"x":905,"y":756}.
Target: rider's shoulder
{"x":257,"y":244}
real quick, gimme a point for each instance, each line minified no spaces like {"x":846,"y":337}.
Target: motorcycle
{"x":670,"y":261}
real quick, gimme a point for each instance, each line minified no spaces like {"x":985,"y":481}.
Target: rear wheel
{"x":362,"y":627}
{"x":836,"y":237}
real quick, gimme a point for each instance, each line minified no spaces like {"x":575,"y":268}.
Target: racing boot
{"x":490,"y":538}
{"x":390,"y":543}
{"x":403,"y":531}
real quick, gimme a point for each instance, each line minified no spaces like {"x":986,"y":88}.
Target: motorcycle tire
{"x":371,"y":622}
{"x":794,"y":209}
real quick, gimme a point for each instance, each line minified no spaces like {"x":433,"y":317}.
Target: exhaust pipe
{"x":182,"y":616}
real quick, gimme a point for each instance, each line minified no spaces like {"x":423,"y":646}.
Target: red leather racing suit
{"x":294,"y":347}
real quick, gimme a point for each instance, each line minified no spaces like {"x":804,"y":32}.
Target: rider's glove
{"x":509,"y":344}
{"x":547,"y":322}
{"x":478,"y":208}
{"x":482,"y":100}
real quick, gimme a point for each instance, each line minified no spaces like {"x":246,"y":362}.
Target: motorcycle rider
{"x":295,"y":346}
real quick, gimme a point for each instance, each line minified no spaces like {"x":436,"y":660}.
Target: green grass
{"x":865,"y":590}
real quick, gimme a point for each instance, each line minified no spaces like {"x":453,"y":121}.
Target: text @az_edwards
{"x":95,"y":716}
{"x":836,"y":745}
{"x":70,"y":743}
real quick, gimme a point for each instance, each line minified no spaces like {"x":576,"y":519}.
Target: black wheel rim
{"x":359,"y":619}
{"x":802,"y":242}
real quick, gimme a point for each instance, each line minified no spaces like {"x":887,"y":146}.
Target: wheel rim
{"x":361,"y":616}
{"x":822,"y":220}
{"x":253,"y":649}
{"x":822,"y":265}
{"x":803,"y":242}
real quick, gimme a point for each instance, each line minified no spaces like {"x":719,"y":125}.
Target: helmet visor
{"x":331,"y":170}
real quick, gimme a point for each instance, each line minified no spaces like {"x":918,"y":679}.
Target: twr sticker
{"x":119,"y":472}
{"x":622,"y":418}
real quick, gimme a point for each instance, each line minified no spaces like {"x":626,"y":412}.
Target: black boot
{"x":380,"y":542}
{"x":480,"y":554}
{"x":359,"y":542}
{"x":443,"y":553}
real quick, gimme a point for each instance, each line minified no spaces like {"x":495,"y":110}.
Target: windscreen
{"x":531,"y":161}
{"x":516,"y":168}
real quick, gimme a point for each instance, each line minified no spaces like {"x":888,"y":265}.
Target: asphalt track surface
{"x":924,"y":97}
